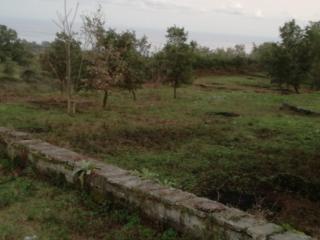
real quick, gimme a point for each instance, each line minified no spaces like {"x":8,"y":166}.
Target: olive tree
{"x":66,"y":22}
{"x":288,"y":61}
{"x":12,"y":48}
{"x":105,"y":65}
{"x":313,"y":43}
{"x":54,"y":58}
{"x":178,"y":57}
{"x":134,"y":54}
{"x":116,"y":60}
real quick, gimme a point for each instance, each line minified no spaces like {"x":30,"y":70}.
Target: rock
{"x":34,"y":237}
{"x":290,"y":236}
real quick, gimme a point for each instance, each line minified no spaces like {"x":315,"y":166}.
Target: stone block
{"x":181,"y":210}
{"x":261,"y":232}
{"x":290,"y":236}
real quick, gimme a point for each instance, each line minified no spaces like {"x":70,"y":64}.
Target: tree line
{"x":106,"y":59}
{"x":295,"y":60}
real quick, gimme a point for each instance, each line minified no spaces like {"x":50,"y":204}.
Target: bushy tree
{"x":53,"y":60}
{"x":105,"y":65}
{"x":117,"y":60}
{"x":313,"y":45}
{"x":178,"y":57}
{"x":12,"y":48}
{"x":105,"y":68}
{"x":134,"y":53}
{"x":29,"y":75}
{"x":287,"y":62}
{"x":9,"y":68}
{"x":232,"y":59}
{"x":295,"y":48}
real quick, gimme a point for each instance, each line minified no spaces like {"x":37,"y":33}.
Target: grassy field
{"x":265,"y":160}
{"x":31,"y":208}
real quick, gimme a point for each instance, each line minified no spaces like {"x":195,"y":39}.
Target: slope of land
{"x":33,"y":209}
{"x":225,"y":138}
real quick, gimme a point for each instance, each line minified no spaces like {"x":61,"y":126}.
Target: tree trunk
{"x":105,"y":99}
{"x":69,"y":84}
{"x":296,"y":88}
{"x":62,"y":87}
{"x":74,"y":108}
{"x":134,"y":96}
{"x":77,"y":86}
{"x":175,"y":90}
{"x":62,"y":80}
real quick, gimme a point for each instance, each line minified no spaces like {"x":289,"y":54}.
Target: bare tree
{"x":66,"y":22}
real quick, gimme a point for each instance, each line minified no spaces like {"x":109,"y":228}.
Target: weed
{"x":86,"y":169}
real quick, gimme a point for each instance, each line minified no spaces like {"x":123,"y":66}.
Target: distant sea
{"x":39,"y":31}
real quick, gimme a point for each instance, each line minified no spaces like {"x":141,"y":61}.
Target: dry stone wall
{"x":203,"y":218}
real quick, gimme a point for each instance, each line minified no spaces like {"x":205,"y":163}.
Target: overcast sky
{"x":228,"y":21}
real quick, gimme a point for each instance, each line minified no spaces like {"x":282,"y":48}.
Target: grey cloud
{"x":232,"y":8}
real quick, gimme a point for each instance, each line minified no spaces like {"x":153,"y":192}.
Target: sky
{"x":214,"y":23}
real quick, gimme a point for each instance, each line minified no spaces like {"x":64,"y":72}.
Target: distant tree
{"x":240,"y":57}
{"x":157,"y":66}
{"x":34,"y":47}
{"x":105,"y":72}
{"x":287,"y":62}
{"x":134,"y":54}
{"x":117,"y":60}
{"x":105,"y":65}
{"x":178,"y":57}
{"x":9,"y":67}
{"x":54,"y":58}
{"x":12,"y":48}
{"x":28,"y":75}
{"x":278,"y":65}
{"x":231,"y":59}
{"x":274,"y":60}
{"x":66,"y":22}
{"x":261,"y":53}
{"x":294,"y":45}
{"x":313,"y":45}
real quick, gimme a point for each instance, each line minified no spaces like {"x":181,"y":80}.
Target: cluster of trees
{"x":106,"y":59}
{"x":114,"y":60}
{"x":14,"y":52}
{"x":228,"y":60}
{"x":19,"y":59}
{"x":174,"y":64}
{"x":53,"y":60}
{"x":295,"y":60}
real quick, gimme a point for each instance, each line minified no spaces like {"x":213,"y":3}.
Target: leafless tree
{"x":66,"y":22}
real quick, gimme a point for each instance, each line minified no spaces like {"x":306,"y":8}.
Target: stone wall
{"x":203,"y":218}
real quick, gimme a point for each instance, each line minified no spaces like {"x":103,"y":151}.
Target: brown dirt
{"x":47,"y":103}
{"x":299,"y":212}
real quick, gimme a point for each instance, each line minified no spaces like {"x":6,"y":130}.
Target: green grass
{"x":183,"y":142}
{"x":30,"y":207}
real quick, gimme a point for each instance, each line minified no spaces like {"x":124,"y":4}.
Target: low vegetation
{"x":257,"y":157}
{"x":44,"y":211}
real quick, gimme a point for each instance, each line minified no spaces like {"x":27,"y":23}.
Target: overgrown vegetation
{"x":295,"y":60}
{"x":43,"y":211}
{"x":265,"y":160}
